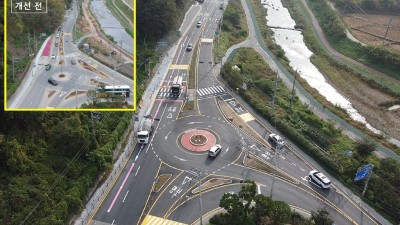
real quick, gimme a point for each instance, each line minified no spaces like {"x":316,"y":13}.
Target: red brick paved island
{"x":205,"y":138}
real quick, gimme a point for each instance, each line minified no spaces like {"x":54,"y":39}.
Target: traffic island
{"x":255,"y":162}
{"x":211,"y":183}
{"x":198,"y":140}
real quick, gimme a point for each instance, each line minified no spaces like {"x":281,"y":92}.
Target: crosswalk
{"x":214,"y":90}
{"x":165,"y":93}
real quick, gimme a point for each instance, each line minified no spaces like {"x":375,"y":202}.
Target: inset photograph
{"x":75,"y":55}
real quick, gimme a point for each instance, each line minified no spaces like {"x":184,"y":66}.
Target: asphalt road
{"x":130,"y":199}
{"x":75,"y":81}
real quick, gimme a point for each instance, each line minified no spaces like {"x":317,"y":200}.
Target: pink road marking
{"x":158,"y":108}
{"x":46,"y":50}
{"x":120,"y":188}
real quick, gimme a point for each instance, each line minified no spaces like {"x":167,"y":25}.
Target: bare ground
{"x":375,"y":25}
{"x":367,"y":100}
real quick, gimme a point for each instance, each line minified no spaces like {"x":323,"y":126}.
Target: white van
{"x":320,"y":179}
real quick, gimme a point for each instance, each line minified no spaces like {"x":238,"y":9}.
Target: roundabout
{"x":198,"y":140}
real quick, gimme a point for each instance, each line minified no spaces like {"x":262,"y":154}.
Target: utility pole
{"x":292,"y":96}
{"x":387,"y":29}
{"x":276,"y":165}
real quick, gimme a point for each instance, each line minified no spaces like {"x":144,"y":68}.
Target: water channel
{"x":292,"y":43}
{"x":110,"y":25}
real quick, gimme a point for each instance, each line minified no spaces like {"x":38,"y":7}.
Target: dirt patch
{"x":74,"y":93}
{"x":368,"y":101}
{"x":96,"y":82}
{"x":371,"y":29}
{"x":91,"y":68}
{"x":161,"y":181}
{"x":238,"y":122}
{"x":51,"y":93}
{"x":213,"y":182}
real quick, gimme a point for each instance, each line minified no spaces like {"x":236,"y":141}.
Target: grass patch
{"x":121,"y":18}
{"x":233,"y":28}
{"x":213,"y":182}
{"x":189,"y":105}
{"x":161,"y":181}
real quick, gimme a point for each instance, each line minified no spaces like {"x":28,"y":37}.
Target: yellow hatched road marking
{"x":178,"y":67}
{"x":209,"y":40}
{"x":153,"y":220}
{"x":246,"y":117}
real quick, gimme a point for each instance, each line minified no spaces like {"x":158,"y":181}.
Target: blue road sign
{"x":363,"y":172}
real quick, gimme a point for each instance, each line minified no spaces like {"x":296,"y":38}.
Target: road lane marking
{"x":125,"y":197}
{"x":120,"y":188}
{"x":258,"y":189}
{"x":113,"y":222}
{"x":137,"y":171}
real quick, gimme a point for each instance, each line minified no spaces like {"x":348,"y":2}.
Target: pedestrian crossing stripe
{"x":247,"y":117}
{"x":153,"y":220}
{"x":210,"y":90}
{"x":207,"y":40}
{"x":178,"y":67}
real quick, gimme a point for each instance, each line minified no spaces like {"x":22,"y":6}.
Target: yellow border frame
{"x":68,"y":109}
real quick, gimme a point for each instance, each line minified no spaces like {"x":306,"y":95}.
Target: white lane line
{"x":113,"y":222}
{"x":125,"y":197}
{"x":293,"y":164}
{"x":222,"y":88}
{"x":227,"y":100}
{"x":302,"y":169}
{"x":258,"y":189}
{"x":137,"y":171}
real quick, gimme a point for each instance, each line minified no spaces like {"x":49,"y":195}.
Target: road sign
{"x":363,"y":172}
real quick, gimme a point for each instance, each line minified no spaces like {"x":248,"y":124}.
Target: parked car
{"x":221,"y":6}
{"x":189,"y":47}
{"x":320,"y":179}
{"x":57,"y":35}
{"x":52,"y":82}
{"x":214,"y":151}
{"x":47,"y":67}
{"x":53,"y":56}
{"x":199,"y":24}
{"x":276,"y":139}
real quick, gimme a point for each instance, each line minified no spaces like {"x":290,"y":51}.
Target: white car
{"x":276,"y":139}
{"x":320,"y":179}
{"x":57,"y":35}
{"x":53,"y":56}
{"x":199,"y":24}
{"x":214,"y":151}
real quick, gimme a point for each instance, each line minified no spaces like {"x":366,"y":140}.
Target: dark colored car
{"x":47,"y":67}
{"x":52,"y":82}
{"x":73,"y":62}
{"x":189,"y":47}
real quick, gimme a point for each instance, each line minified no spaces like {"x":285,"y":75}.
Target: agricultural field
{"x":371,"y":29}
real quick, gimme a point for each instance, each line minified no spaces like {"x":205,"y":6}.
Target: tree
{"x":365,"y":146}
{"x":321,"y":217}
{"x":262,"y":208}
{"x":280,"y":212}
{"x":231,"y":203}
{"x":248,"y":193}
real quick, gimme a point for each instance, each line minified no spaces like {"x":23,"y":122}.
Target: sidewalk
{"x":27,"y":81}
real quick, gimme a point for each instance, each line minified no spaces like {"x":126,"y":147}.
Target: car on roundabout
{"x":214,"y":151}
{"x":52,"y":82}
